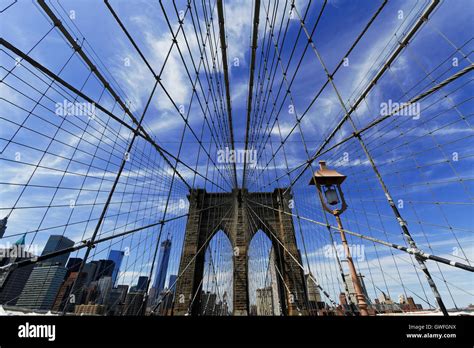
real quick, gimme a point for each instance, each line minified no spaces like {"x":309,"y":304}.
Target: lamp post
{"x":328,"y":183}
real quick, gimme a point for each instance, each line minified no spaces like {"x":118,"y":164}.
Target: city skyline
{"x":258,"y":152}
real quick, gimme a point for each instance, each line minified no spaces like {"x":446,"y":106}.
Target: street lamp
{"x":328,"y":182}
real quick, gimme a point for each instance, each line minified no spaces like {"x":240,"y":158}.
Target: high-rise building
{"x":64,"y":296}
{"x":117,"y":300}
{"x":104,"y":268}
{"x":12,"y":281}
{"x":172,"y":282}
{"x":152,"y":297}
{"x":42,"y":287}
{"x":89,"y":269}
{"x":162,"y":266}
{"x":274,"y":283}
{"x":264,"y":301}
{"x":351,"y":288}
{"x":165,"y":306}
{"x":3,"y":226}
{"x":313,"y":293}
{"x":73,"y":264}
{"x":312,"y":289}
{"x":253,"y":309}
{"x":91,"y":292}
{"x":134,"y":303}
{"x":104,"y":286}
{"x":123,"y":289}
{"x":56,"y":243}
{"x":141,"y":284}
{"x":208,"y":303}
{"x":224,"y":307}
{"x":116,"y":256}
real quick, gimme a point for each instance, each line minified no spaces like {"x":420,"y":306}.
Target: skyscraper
{"x":314,"y":295}
{"x":12,"y":281}
{"x":208,"y":303}
{"x":172,"y":281}
{"x":351,"y":288}
{"x":64,"y":294}
{"x":73,"y":264}
{"x":165,"y":306}
{"x":3,"y":226}
{"x":162,"y":266}
{"x":264,"y":301}
{"x":116,"y":303}
{"x":104,"y":286}
{"x":141,"y":284}
{"x":89,"y":269}
{"x":116,"y":256}
{"x":105,"y":268}
{"x":42,"y":287}
{"x":55,"y":243}
{"x":312,"y":288}
{"x":274,"y":283}
{"x":134,"y":303}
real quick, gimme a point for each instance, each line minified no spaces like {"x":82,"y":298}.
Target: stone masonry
{"x":240,"y":214}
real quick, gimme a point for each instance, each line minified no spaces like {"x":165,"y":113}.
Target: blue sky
{"x":418,"y":166}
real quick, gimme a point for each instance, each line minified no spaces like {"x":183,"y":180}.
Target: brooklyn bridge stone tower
{"x":240,"y":214}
